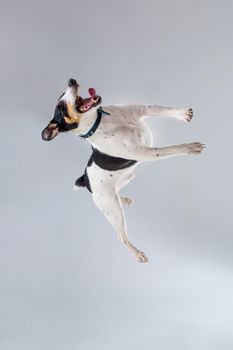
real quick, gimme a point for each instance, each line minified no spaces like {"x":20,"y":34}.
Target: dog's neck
{"x":86,"y":121}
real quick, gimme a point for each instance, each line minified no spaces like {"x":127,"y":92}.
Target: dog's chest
{"x":120,"y":140}
{"x":120,"y":133}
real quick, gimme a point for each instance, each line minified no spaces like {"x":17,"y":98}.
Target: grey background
{"x":65,"y":280}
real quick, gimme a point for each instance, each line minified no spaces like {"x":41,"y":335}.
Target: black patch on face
{"x":72,"y":82}
{"x":61,"y":96}
{"x":60,"y":112}
{"x":59,"y":115}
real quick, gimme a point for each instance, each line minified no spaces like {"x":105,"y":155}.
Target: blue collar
{"x":100,"y":113}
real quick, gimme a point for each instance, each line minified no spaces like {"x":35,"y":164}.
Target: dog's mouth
{"x":84,"y":105}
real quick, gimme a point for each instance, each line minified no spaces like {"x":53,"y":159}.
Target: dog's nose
{"x":72,"y":82}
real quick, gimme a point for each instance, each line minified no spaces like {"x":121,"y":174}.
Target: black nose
{"x":72,"y":82}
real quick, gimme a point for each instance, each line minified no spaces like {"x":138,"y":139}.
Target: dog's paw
{"x":141,"y":257}
{"x":194,"y":148}
{"x":185,"y":114}
{"x":188,"y":114}
{"x":126,"y":201}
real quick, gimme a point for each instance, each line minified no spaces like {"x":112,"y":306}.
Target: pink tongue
{"x":90,"y":100}
{"x":92,"y":92}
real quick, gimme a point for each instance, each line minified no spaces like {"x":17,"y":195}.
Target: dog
{"x":120,"y":141}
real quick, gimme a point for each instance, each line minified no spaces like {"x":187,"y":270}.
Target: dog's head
{"x":69,"y":109}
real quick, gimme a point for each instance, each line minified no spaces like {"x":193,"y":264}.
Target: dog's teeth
{"x":85,"y":108}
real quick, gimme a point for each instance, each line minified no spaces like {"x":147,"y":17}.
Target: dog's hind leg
{"x":126,"y":200}
{"x":121,"y":184}
{"x":108,"y":201}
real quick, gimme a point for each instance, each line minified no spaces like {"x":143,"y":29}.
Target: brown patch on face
{"x":73,"y":116}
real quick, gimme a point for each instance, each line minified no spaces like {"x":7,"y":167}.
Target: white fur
{"x":69,"y":95}
{"x":125,"y":134}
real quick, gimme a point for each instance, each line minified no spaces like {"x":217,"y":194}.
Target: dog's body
{"x":121,"y":141}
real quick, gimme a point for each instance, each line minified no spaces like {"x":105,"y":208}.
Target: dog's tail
{"x":82,"y":181}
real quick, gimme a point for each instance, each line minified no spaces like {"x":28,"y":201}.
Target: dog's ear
{"x":50,"y":132}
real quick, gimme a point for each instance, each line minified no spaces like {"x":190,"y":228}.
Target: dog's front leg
{"x":108,"y":201}
{"x":184,"y":114}
{"x":150,"y":153}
